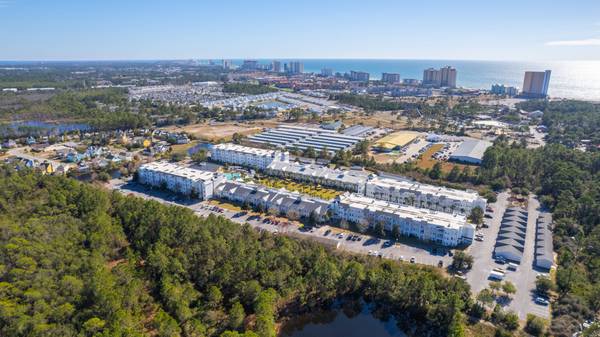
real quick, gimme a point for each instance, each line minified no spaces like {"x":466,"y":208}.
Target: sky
{"x":523,"y":30}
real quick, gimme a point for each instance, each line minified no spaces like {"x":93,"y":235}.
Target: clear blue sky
{"x":529,"y":30}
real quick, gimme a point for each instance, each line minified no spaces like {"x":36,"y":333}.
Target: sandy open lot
{"x":221,"y":131}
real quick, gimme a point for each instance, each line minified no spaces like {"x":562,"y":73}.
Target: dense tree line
{"x":78,"y":261}
{"x":568,"y":183}
{"x":568,"y":121}
{"x":102,"y":109}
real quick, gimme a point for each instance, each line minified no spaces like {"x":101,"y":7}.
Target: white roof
{"x":319,"y":171}
{"x":438,"y":191}
{"x":179,"y":171}
{"x":447,"y":220}
{"x":244,"y":149}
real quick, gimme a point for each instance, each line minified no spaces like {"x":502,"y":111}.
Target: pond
{"x":349,"y":319}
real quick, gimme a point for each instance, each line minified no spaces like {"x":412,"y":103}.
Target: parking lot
{"x":368,"y":245}
{"x":523,"y":302}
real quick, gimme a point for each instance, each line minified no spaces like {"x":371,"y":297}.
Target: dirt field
{"x":221,"y":131}
{"x":426,"y":161}
{"x":384,"y":119}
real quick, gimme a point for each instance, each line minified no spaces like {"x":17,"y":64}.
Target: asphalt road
{"x":523,"y":302}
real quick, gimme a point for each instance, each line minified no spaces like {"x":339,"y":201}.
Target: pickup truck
{"x":494,"y":275}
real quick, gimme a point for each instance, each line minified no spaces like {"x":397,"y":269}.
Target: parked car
{"x":440,"y":264}
{"x":327,"y":232}
{"x":512,"y":266}
{"x":541,"y":300}
{"x":413,"y":260}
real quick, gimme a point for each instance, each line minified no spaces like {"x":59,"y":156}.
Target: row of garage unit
{"x":544,"y":247}
{"x":510,"y":243}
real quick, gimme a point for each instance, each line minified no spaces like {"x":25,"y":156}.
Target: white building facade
{"x":247,"y":156}
{"x":180,"y":179}
{"x":438,"y":227}
{"x":317,"y":174}
{"x":412,"y":193}
{"x":273,"y":201}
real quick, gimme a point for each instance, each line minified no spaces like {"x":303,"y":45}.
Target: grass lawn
{"x":480,"y":329}
{"x":225,"y":205}
{"x":183,"y":148}
{"x":312,"y":190}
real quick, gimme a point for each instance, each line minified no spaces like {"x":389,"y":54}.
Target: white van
{"x":512,"y":266}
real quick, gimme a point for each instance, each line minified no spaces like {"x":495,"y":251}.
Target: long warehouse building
{"x":298,"y":137}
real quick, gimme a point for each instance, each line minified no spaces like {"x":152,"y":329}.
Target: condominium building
{"x":412,"y":193}
{"x":342,"y":179}
{"x":501,"y":89}
{"x":327,"y":72}
{"x":296,"y":67}
{"x":443,"y":77}
{"x":273,"y":201}
{"x":250,"y":65}
{"x":536,"y":83}
{"x":276,"y":66}
{"x":442,"y":228}
{"x":180,"y":179}
{"x":390,"y":78}
{"x":359,"y":76}
{"x":246,"y":156}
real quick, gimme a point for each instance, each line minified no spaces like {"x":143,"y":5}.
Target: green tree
{"x":236,"y":316}
{"x":462,"y":260}
{"x":476,"y":215}
{"x":199,"y":156}
{"x":436,"y":171}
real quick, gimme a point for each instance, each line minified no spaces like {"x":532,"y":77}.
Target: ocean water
{"x":570,"y":79}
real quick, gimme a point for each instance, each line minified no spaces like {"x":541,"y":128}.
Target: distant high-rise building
{"x":501,"y":89}
{"x":296,"y":67}
{"x":444,"y":77}
{"x":448,"y":77}
{"x":536,"y":83}
{"x":250,"y":64}
{"x":226,"y":64}
{"x":432,"y":77}
{"x":359,"y":76}
{"x":327,"y":72}
{"x":390,"y":78}
{"x":276,"y":67}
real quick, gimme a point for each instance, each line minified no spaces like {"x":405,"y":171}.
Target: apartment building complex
{"x":350,"y":180}
{"x":412,"y":193}
{"x":180,"y":179}
{"x":359,"y":76}
{"x":391,"y":78}
{"x":438,"y":227}
{"x":273,"y":201}
{"x":247,"y":156}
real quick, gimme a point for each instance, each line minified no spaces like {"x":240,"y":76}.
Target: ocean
{"x":570,"y":79}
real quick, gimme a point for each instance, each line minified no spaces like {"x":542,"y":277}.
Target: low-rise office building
{"x":246,"y":156}
{"x":180,"y":179}
{"x":438,"y":227}
{"x":412,"y":193}
{"x":350,"y":180}
{"x":277,"y":202}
